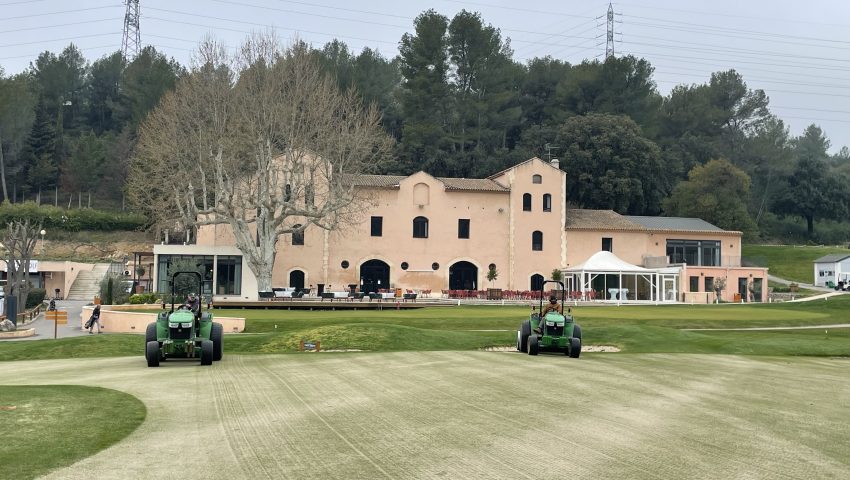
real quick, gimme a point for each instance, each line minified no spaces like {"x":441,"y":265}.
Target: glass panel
{"x":229,"y":275}
{"x":694,"y":284}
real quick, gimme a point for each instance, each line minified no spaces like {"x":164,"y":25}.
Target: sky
{"x":797,"y":52}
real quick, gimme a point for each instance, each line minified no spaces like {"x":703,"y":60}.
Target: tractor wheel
{"x":217,"y":337}
{"x":152,"y":353}
{"x":524,"y":333}
{"x":533,"y":345}
{"x":575,"y":347}
{"x":206,"y":352}
{"x":577,"y":331}
{"x":150,"y":332}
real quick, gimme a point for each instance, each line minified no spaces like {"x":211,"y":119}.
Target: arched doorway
{"x":463,"y":276}
{"x":374,"y":275}
{"x":536,"y":282}
{"x":296,"y":279}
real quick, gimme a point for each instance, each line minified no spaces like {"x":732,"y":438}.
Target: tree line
{"x":458,"y":104}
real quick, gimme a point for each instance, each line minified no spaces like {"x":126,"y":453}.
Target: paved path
{"x":800,"y":284}
{"x":44,"y":328}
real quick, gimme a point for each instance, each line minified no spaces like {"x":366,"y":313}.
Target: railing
{"x":660,"y":262}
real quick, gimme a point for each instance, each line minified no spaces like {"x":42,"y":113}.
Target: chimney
{"x":556,"y":163}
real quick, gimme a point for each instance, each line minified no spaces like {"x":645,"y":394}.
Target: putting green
{"x":45,"y":427}
{"x":471,"y":415}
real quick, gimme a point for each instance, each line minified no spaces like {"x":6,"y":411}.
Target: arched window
{"x":526,"y":202}
{"x":547,"y":202}
{"x":298,"y":237}
{"x":287,"y":193}
{"x":537,"y":240}
{"x":420,"y":227}
{"x":536,"y":179}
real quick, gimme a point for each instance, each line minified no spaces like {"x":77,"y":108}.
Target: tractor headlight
{"x":173,"y":325}
{"x":186,"y":325}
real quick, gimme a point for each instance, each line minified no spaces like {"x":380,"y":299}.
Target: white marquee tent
{"x":606,"y":276}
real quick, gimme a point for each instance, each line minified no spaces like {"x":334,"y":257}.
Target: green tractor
{"x":187,"y":332}
{"x":553,"y":331}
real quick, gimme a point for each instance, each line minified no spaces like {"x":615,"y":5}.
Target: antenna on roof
{"x":549,"y":148}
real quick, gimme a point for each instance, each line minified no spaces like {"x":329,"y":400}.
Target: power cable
{"x":59,"y":25}
{"x":60,"y":39}
{"x":286,"y":10}
{"x":757,"y":79}
{"x":738,"y":52}
{"x":33,"y":15}
{"x":731,"y":15}
{"x":517,"y":9}
{"x":822,"y":94}
{"x":97,"y":47}
{"x":647,"y":55}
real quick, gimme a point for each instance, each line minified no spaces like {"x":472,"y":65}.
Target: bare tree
{"x":262,"y":141}
{"x":19,"y":240}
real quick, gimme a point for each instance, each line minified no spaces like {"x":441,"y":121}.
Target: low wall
{"x":119,"y":321}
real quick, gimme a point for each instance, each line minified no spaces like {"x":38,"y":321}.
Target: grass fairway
{"x":54,"y":426}
{"x":638,"y":329}
{"x":790,"y":262}
{"x":471,"y":415}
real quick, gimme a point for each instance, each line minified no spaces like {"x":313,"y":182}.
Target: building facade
{"x":434,"y":234}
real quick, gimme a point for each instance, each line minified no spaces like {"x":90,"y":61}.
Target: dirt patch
{"x":584,"y":349}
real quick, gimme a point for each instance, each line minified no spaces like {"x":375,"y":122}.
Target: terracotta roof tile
{"x":473,"y":184}
{"x":380,"y":181}
{"x":579,"y":218}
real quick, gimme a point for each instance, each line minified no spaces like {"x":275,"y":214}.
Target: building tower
{"x":132,"y":41}
{"x":609,"y":44}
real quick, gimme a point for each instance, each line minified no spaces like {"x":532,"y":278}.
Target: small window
{"x":537,"y":282}
{"x":420,"y":227}
{"x":607,"y":244}
{"x":344,"y":264}
{"x":709,"y":284}
{"x":298,"y":236}
{"x":694,"y":284}
{"x":536,"y":179}
{"x":537,"y":241}
{"x":547,"y":202}
{"x":435,"y":266}
{"x":377,"y":226}
{"x":526,"y":202}
{"x":404,"y":265}
{"x":287,"y":193}
{"x":463,"y":228}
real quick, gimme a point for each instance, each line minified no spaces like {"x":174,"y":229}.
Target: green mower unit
{"x":554,"y":332}
{"x":185,"y":332}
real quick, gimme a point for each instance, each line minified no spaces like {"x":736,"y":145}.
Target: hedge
{"x":35,"y":297}
{"x":73,"y":220}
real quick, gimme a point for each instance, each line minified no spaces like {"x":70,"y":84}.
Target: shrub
{"x":35,"y":297}
{"x":143,"y":298}
{"x":72,"y":220}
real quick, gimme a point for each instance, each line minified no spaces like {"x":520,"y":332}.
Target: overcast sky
{"x":798,"y":52}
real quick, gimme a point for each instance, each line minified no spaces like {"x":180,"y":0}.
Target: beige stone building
{"x":433,"y":234}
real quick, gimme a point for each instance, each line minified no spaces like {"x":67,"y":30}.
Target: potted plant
{"x":492,"y":275}
{"x":140,"y":272}
{"x":719,"y":285}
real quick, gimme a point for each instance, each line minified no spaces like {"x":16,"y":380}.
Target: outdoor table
{"x":387,"y":295}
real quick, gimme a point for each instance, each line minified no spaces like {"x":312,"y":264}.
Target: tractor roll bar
{"x":200,"y":288}
{"x":543,"y":290}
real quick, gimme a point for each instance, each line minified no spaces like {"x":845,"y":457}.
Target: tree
{"x":144,"y":82}
{"x":611,"y":165}
{"x":16,"y":117}
{"x":810,"y":191}
{"x":424,"y":63}
{"x":717,"y":192}
{"x":84,"y":168}
{"x":19,"y":239}
{"x":39,"y":156}
{"x":270,"y":154}
{"x":104,"y":88}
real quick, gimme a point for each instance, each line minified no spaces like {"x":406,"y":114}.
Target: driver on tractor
{"x":192,"y":303}
{"x":551,"y":307}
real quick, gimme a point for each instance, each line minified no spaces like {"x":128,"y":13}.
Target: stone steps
{"x":87,"y":283}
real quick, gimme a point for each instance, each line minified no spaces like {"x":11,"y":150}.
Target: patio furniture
{"x":265,"y":295}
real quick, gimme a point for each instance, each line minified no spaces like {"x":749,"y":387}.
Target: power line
{"x":517,"y":9}
{"x":21,"y":2}
{"x":297,"y":12}
{"x":759,"y":18}
{"x":58,"y":25}
{"x":33,"y":15}
{"x":336,"y":7}
{"x":738,"y":52}
{"x":715,"y":69}
{"x":823,"y":85}
{"x":737,"y":30}
{"x":97,"y":47}
{"x":59,"y":39}
{"x":780,"y":91}
{"x":809,"y":66}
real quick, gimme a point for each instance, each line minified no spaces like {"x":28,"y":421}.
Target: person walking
{"x":94,"y":319}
